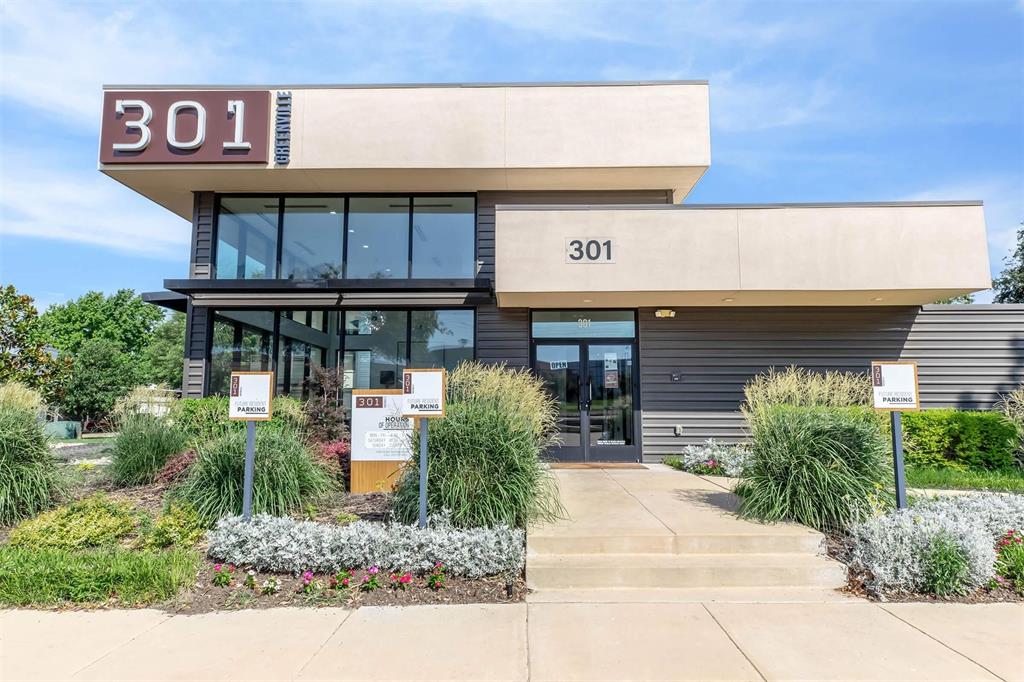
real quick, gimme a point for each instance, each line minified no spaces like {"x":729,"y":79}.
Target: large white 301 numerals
{"x":172,"y":125}
{"x":236,"y":107}
{"x":142,"y":125}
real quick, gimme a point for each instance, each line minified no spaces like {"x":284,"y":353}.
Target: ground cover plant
{"x":142,"y":447}
{"x":711,"y":458}
{"x":822,"y":467}
{"x":286,"y":545}
{"x":286,"y":476}
{"x":945,"y":545}
{"x":486,"y":455}
{"x":50,"y":577}
{"x":29,"y":478}
{"x":95,"y":521}
{"x":1010,"y":560}
{"x":960,"y":439}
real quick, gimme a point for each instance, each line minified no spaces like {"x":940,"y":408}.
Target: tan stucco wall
{"x":457,"y":138}
{"x":843,"y":255}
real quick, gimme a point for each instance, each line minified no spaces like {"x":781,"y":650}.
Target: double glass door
{"x":594,"y":385}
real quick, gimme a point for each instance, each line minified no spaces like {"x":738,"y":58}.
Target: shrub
{"x":284,"y":479}
{"x":325,"y":413}
{"x":712,"y":458}
{"x":945,"y":566}
{"x":176,"y":468}
{"x":959,"y":439}
{"x":95,"y":521}
{"x":892,"y":549}
{"x":1012,"y":407}
{"x":336,"y":458}
{"x":283,"y":544}
{"x":1010,"y":559}
{"x":14,"y":395}
{"x":485,"y":455}
{"x":179,"y":526}
{"x":823,"y":467}
{"x":46,"y":577}
{"x":141,"y":449}
{"x":206,"y":419}
{"x":802,"y":388}
{"x":29,"y":478}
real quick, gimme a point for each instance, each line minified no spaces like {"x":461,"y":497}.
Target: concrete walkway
{"x":556,"y":641}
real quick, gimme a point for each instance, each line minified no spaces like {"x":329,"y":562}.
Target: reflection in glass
{"x":247,"y":238}
{"x":311,"y":238}
{"x":610,"y":372}
{"x":378,"y":238}
{"x":559,"y":369}
{"x":242,"y":342}
{"x":583,"y":324}
{"x":375,"y":349}
{"x":441,"y":338}
{"x":442,"y":237}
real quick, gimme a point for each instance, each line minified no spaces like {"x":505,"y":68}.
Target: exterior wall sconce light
{"x":664,"y":312}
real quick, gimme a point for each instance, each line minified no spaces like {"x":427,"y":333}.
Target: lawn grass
{"x":951,"y":479}
{"x":50,"y":577}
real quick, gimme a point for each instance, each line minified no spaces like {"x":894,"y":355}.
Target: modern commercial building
{"x":544,"y":226}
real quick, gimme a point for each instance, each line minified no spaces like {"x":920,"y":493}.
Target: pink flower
{"x":345,"y":582}
{"x":373,"y":570}
{"x":407,"y":578}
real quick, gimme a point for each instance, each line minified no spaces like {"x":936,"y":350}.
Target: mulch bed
{"x":206,"y":596}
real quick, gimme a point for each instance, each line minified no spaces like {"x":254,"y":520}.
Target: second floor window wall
{"x":354,"y":237}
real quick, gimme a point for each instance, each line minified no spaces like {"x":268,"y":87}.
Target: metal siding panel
{"x":201,"y":260}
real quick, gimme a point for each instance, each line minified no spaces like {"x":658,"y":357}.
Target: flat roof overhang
{"x":327,"y":293}
{"x":747,"y":255}
{"x":460,"y":138}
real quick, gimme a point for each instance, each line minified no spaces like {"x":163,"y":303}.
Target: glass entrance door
{"x":594,"y":386}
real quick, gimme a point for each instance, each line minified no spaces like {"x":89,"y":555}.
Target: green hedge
{"x":959,"y":439}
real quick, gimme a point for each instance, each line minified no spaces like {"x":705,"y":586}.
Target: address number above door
{"x":204,"y":126}
{"x":590,"y":250}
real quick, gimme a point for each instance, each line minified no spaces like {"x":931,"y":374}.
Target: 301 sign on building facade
{"x":203,"y":126}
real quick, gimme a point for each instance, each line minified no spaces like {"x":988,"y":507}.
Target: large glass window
{"x":303,"y":343}
{"x":583,"y":324}
{"x":443,"y":242}
{"x":311,"y":238}
{"x":247,"y":238}
{"x":441,"y":338}
{"x":330,"y":237}
{"x":243,"y":341}
{"x":378,"y":238}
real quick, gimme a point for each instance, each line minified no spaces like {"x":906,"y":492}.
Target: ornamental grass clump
{"x":29,"y":478}
{"x":900,"y":552}
{"x":143,"y":445}
{"x":285,"y":477}
{"x":799,"y":387}
{"x":486,"y":454}
{"x":819,"y":466}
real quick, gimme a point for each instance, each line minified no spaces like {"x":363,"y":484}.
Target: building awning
{"x":167,"y":299}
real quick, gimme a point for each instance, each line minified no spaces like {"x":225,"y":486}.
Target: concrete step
{"x":587,"y":571}
{"x":693,"y":595}
{"x":718,"y":543}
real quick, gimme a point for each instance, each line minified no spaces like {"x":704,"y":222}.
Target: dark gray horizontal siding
{"x":196,"y":335}
{"x":201,"y":261}
{"x":503,"y":335}
{"x":486,"y":201}
{"x":718,"y":350}
{"x":967,"y":355}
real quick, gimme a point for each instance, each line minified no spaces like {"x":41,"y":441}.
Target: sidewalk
{"x":536,"y":641}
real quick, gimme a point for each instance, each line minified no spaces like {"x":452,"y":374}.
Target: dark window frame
{"x":346,"y":196}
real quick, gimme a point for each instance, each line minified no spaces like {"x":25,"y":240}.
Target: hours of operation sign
{"x":379,"y":431}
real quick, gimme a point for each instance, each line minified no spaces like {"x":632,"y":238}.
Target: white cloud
{"x":56,"y":57}
{"x":89,"y":208}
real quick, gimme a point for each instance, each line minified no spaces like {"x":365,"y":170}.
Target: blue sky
{"x":810,"y":101}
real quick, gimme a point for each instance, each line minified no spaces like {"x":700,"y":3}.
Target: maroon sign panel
{"x":205,"y":126}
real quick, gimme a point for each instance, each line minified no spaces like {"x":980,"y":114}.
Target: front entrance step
{"x":739,"y":543}
{"x":586,"y":571}
{"x":693,"y":595}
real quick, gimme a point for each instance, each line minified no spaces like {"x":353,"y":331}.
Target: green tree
{"x":1009,"y":285}
{"x":23,"y":356}
{"x":101,"y":374}
{"x":163,"y":358}
{"x":123,"y":318}
{"x":962,"y":298}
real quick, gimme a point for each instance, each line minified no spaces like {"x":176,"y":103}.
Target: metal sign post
{"x":250,"y":400}
{"x":894,"y":390}
{"x":423,"y":390}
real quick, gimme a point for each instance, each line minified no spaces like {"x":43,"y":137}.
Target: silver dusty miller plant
{"x":893,"y":547}
{"x":732,"y":458}
{"x":285,"y":545}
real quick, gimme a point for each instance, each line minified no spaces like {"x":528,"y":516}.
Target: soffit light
{"x":728,"y":299}
{"x":664,"y":313}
